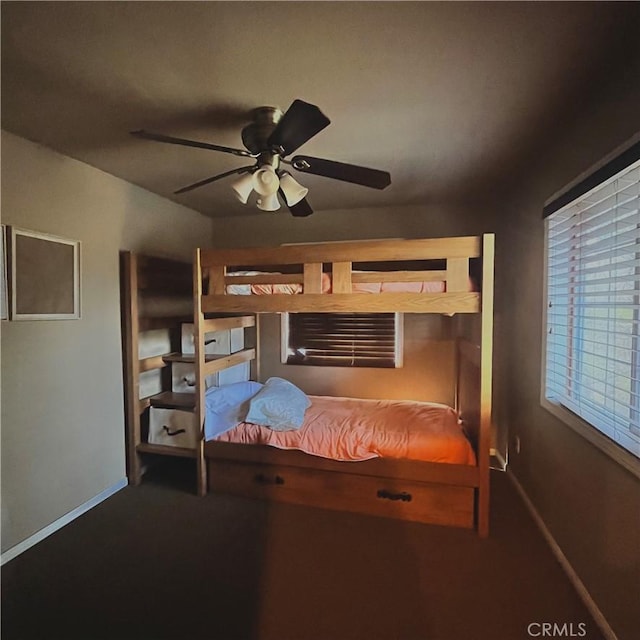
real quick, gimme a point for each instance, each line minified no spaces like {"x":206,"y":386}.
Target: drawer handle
{"x":211,"y":341}
{"x":387,"y":495}
{"x":173,"y":433}
{"x":189,"y":382}
{"x":260,"y":478}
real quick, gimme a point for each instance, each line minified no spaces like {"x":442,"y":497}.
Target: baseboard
{"x":21,"y":547}
{"x":578,"y":585}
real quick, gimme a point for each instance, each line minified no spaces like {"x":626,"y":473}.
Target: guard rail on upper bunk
{"x":310,"y":263}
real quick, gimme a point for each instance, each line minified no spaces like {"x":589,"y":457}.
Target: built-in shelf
{"x":149,"y":324}
{"x":187,"y":357}
{"x":213,"y":362}
{"x":173,"y":400}
{"x":164,"y":450}
{"x":228,"y":322}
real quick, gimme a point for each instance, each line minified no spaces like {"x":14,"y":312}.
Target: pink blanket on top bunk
{"x":357,"y":287}
{"x":356,"y":429}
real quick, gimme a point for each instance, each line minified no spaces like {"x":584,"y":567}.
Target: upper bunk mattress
{"x":436,"y":286}
{"x":351,"y":429}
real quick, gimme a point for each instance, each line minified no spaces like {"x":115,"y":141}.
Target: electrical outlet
{"x":516,"y":442}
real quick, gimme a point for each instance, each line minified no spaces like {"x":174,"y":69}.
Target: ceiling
{"x":451,"y":98}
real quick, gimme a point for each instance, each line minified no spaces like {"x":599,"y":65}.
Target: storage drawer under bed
{"x":393,"y":498}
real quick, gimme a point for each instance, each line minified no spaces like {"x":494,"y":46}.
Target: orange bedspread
{"x":357,"y":287}
{"x":356,"y":429}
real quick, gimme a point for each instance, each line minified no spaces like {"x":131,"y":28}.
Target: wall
{"x":427,"y":373}
{"x":62,"y":399}
{"x":590,"y":503}
{"x":417,"y":221}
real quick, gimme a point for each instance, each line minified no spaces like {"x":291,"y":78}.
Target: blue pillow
{"x":279,"y":405}
{"x":226,"y":406}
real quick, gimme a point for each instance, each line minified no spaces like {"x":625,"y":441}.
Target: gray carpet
{"x":156,"y":562}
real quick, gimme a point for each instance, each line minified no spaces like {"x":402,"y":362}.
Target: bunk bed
{"x":409,"y":276}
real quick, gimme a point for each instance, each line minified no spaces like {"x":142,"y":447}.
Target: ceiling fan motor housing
{"x":256,"y":134}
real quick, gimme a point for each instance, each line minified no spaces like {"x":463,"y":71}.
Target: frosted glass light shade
{"x":292,"y":189}
{"x":265,"y":181}
{"x":269,"y":202}
{"x":243,"y":187}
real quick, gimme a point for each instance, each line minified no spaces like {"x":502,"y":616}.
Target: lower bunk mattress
{"x":352,"y":429}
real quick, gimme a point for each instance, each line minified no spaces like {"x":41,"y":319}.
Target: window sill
{"x":620,"y":455}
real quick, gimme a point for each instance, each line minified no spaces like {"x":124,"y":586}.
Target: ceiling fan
{"x":269,"y":139}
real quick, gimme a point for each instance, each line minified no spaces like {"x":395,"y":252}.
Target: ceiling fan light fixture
{"x":243,"y":187}
{"x":293,"y":191}
{"x":269,"y":138}
{"x":268,"y":202}
{"x":266,"y":181}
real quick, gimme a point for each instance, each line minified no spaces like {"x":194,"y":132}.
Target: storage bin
{"x":173,"y":428}
{"x":216,"y":342}
{"x":183,"y":378}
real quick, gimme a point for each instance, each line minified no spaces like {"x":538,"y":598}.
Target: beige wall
{"x":589,"y":502}
{"x":62,"y":401}
{"x":418,"y":221}
{"x":427,"y":373}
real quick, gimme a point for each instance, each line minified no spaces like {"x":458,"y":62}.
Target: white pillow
{"x":226,"y":406}
{"x":279,"y":405}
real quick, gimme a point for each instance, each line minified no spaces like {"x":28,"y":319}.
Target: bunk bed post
{"x":486,"y":363}
{"x":457,"y":365}
{"x":198,"y":335}
{"x":312,"y":277}
{"x":255,"y":363}
{"x":131,"y":363}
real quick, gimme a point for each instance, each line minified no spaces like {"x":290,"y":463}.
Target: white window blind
{"x":593,"y":307}
{"x":343,"y":339}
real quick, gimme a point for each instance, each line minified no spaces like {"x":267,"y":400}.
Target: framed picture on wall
{"x":45,"y":276}
{"x":4,"y":300}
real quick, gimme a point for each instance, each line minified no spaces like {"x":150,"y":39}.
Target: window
{"x":342,"y":339}
{"x":592,"y":363}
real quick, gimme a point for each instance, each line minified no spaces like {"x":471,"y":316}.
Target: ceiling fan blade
{"x":300,"y":123}
{"x":341,"y":171}
{"x":158,"y":137}
{"x":201,"y":183}
{"x":302,"y":209}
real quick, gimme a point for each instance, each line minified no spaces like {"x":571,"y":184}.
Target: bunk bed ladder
{"x":205,"y":366}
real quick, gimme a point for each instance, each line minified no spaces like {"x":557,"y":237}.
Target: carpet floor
{"x":156,"y":562}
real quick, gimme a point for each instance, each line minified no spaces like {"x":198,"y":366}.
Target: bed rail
{"x":310,"y":261}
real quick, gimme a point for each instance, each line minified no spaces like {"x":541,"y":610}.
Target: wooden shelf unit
{"x":173,"y":400}
{"x":151,"y":290}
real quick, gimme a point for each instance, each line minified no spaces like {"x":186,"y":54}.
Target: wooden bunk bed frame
{"x":446,"y":494}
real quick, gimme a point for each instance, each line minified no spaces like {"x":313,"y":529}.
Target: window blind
{"x":343,"y":339}
{"x":593,"y":307}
